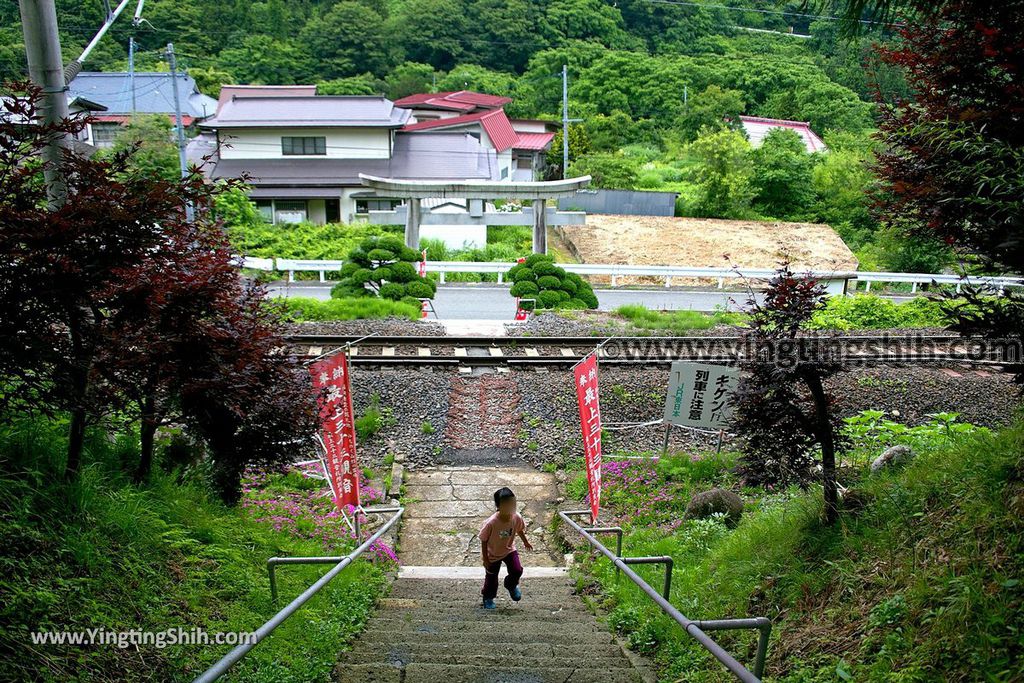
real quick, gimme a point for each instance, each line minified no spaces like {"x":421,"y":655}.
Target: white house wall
{"x":342,"y":143}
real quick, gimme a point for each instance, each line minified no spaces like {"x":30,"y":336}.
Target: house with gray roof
{"x":302,"y":154}
{"x":123,"y":94}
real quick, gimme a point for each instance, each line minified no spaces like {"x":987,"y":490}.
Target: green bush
{"x":539,"y":278}
{"x":866,"y":311}
{"x":302,"y":309}
{"x":383,"y":266}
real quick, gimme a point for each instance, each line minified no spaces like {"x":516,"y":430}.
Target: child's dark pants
{"x":515,"y":571}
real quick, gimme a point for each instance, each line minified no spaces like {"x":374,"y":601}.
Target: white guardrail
{"x":838,"y":281}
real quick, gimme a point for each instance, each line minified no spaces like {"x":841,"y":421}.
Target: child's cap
{"x":501,"y":495}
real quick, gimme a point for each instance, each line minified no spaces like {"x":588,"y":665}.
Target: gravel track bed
{"x":407,"y":401}
{"x":601,"y":324}
{"x":381,"y":326}
{"x":533,"y":415}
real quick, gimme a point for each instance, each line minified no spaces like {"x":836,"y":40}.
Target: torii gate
{"x":475,"y":192}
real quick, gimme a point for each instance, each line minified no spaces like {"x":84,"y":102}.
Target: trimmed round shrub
{"x":419,"y":289}
{"x":524,"y":274}
{"x":549,"y":282}
{"x":587,"y":297}
{"x":403,"y":272}
{"x":362,"y":276}
{"x":524,"y":288}
{"x":380,"y":255}
{"x":511,"y":274}
{"x":544,"y":268}
{"x":409,"y":254}
{"x":383,"y":273}
{"x":348,"y":269}
{"x":568,"y":286}
{"x":392,"y":290}
{"x":534,"y":259}
{"x":548,"y":298}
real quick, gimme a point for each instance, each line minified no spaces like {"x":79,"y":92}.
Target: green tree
{"x":579,"y":146}
{"x":349,"y":39}
{"x":432,"y":31}
{"x":714,"y":108}
{"x":823,"y":104}
{"x":723,"y":175}
{"x":265,"y":60}
{"x":156,"y":154}
{"x":589,"y":20}
{"x":841,"y":182}
{"x":383,"y":266}
{"x":409,"y":78}
{"x":612,"y":171}
{"x":363,"y":84}
{"x":782,"y":176}
{"x":210,"y":80}
{"x":507,"y":34}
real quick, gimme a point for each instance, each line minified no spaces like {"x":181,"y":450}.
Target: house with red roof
{"x":520,"y":144}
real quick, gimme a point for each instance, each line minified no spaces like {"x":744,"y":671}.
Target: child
{"x":498,"y":544}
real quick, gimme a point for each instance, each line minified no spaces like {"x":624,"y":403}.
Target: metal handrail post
{"x":221,"y":667}
{"x":661,"y":559}
{"x":691,"y":627}
{"x":762,"y":624}
{"x":274,"y":561}
{"x":617,"y":530}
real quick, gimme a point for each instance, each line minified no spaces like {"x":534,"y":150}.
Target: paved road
{"x":494,"y":303}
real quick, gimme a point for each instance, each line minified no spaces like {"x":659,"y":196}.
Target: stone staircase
{"x":433,"y":630}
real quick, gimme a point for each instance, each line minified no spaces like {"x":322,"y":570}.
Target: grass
{"x":301,"y":309}
{"x":643,"y":318}
{"x":103,"y":553}
{"x":919,"y":583}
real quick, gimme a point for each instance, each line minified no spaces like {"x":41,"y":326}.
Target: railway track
{"x":555,"y":352}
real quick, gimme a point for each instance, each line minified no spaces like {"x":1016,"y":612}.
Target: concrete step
{"x":496,"y":672}
{"x":506,"y":612}
{"x":387,"y":622}
{"x":397,"y":658}
{"x":413,"y":647}
{"x":500,"y":635}
{"x":554,"y":590}
{"x":472,"y":609}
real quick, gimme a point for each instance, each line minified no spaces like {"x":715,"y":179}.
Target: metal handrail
{"x":221,"y":667}
{"x":693,"y":628}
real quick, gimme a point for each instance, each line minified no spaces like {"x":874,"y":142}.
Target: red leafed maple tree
{"x":113,"y":303}
{"x":951,"y":162}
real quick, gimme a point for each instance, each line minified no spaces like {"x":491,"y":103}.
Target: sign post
{"x":585,"y":376}
{"x":422,"y":270}
{"x":331,"y":380}
{"x":700,"y":397}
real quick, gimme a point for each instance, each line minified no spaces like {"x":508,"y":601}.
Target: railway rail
{"x":554,"y":352}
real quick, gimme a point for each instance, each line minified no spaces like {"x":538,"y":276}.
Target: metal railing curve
{"x":222,"y":666}
{"x":695,"y":628}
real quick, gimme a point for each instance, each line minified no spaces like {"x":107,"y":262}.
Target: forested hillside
{"x":647,"y":78}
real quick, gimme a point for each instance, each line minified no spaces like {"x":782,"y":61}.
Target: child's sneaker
{"x":489,"y":604}
{"x":516,"y":594}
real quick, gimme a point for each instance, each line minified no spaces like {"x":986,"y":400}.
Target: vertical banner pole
{"x":331,"y":378}
{"x":587,"y":397}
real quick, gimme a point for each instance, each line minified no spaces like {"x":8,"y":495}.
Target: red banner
{"x":423,"y":263}
{"x":585,"y":375}
{"x":338,"y":427}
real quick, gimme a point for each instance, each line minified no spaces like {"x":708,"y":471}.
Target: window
{"x":504,"y":172}
{"x":293,"y":146}
{"x":368,"y":205}
{"x":266,"y":209}
{"x":524,"y":163}
{"x":103,"y":133}
{"x":289,"y":211}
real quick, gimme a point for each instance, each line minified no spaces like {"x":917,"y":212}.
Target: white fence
{"x":838,"y":282}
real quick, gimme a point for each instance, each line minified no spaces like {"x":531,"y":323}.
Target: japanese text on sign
{"x":700,"y":395}
{"x":331,"y":381}
{"x":585,"y":376}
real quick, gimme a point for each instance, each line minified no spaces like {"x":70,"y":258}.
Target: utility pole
{"x":131,"y":68}
{"x":46,"y":70}
{"x":182,"y":163}
{"x":565,"y":120}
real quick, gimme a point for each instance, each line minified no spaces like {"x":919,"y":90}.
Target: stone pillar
{"x":412,"y":224}
{"x":540,"y":227}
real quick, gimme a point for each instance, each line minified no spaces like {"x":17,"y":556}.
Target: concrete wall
{"x":621,"y":202}
{"x":342,"y":143}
